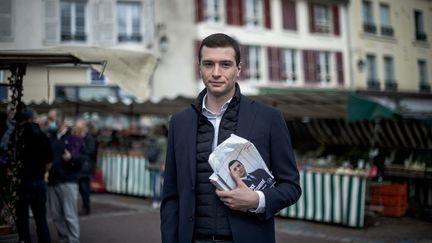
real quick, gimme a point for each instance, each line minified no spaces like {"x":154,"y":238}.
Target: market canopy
{"x":130,"y":70}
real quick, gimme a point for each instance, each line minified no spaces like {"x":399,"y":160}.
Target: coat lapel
{"x":191,"y":130}
{"x":246,"y":119}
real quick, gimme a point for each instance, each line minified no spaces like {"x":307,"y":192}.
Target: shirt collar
{"x":204,"y":108}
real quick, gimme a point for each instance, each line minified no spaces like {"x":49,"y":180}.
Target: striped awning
{"x":387,"y":133}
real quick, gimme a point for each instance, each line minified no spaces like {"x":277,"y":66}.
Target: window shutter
{"x":52,"y":21}
{"x":289,"y":15}
{"x":335,"y":10}
{"x":240,"y":9}
{"x":199,"y":11}
{"x":107,"y":21}
{"x":228,"y":11}
{"x":234,"y":12}
{"x":244,"y":59}
{"x":311,"y":18}
{"x":267,"y":14}
{"x":339,"y":68}
{"x":310,"y":66}
{"x":274,"y":61}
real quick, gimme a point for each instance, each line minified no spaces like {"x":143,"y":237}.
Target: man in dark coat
{"x":192,"y":209}
{"x":34,"y":151}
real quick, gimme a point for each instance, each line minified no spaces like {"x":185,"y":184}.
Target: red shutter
{"x":240,"y":10}
{"x":311,"y":18}
{"x":196,"y":64}
{"x":244,"y":62}
{"x":310,"y":66}
{"x":234,"y":12}
{"x":274,"y":60}
{"x":335,"y":10}
{"x":199,"y":11}
{"x":339,"y":68}
{"x":289,"y":15}
{"x":229,"y":11}
{"x":267,"y":14}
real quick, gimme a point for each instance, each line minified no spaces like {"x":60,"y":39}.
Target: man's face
{"x":219,"y":70}
{"x":238,"y":168}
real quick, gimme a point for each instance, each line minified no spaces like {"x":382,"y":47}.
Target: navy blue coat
{"x":266,"y":129}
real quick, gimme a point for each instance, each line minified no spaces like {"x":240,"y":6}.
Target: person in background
{"x":155,"y":153}
{"x":63,"y":179}
{"x":88,"y":165}
{"x":35,"y":154}
{"x":192,"y":210}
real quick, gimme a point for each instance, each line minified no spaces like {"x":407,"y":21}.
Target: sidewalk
{"x":117,"y":218}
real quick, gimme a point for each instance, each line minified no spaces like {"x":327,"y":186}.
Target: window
{"x":324,"y":67}
{"x":389,"y":76}
{"x":420,"y":34}
{"x":129,"y":21}
{"x":422,"y":72}
{"x":253,"y":12}
{"x":289,"y":65}
{"x":72,"y":20}
{"x":213,"y":11}
{"x":6,"y":20}
{"x":368,"y":20}
{"x":322,"y":18}
{"x":371,"y":71}
{"x":386,"y":28}
{"x":252,"y":62}
{"x":86,"y":92}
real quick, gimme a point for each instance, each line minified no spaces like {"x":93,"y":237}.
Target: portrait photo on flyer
{"x":240,"y":156}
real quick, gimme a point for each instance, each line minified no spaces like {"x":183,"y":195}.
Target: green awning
{"x":361,"y":108}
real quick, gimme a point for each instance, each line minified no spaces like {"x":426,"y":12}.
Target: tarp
{"x":130,"y":70}
{"x":361,"y":108}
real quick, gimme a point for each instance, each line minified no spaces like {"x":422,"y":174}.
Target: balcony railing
{"x":73,"y":37}
{"x":387,"y":30}
{"x":129,"y":38}
{"x":421,"y":36}
{"x":373,"y":85}
{"x":391,"y":85}
{"x":369,"y":28}
{"x":424,"y":87}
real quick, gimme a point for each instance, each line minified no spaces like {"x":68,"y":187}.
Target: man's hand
{"x":67,"y":155}
{"x":241,"y":198}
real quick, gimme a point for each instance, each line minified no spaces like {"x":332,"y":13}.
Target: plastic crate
{"x":388,"y":200}
{"x":397,"y":189}
{"x":391,"y":211}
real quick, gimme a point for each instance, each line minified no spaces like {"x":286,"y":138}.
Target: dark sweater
{"x":211,"y":214}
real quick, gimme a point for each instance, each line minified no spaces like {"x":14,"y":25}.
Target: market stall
{"x":330,"y":197}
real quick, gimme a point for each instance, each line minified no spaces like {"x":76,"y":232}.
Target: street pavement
{"x":125,"y":219}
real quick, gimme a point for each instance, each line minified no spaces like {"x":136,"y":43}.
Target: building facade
{"x":391,"y":45}
{"x":379,"y":45}
{"x":284,"y":43}
{"x":127,"y":25}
